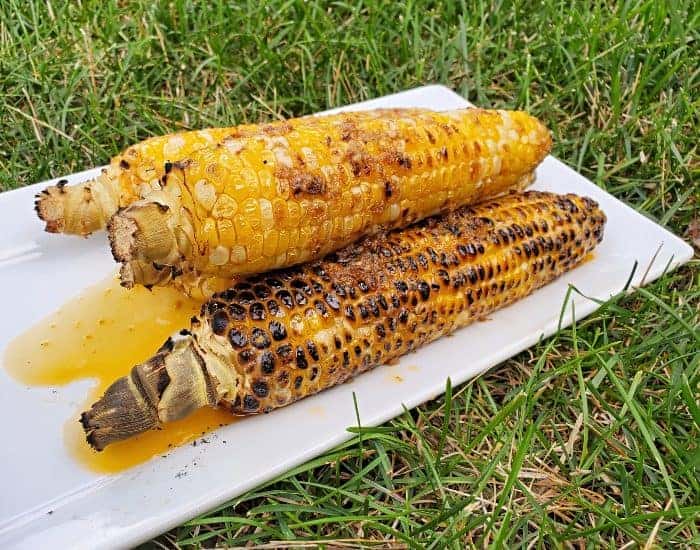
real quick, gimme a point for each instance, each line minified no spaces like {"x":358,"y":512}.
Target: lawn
{"x":590,"y":438}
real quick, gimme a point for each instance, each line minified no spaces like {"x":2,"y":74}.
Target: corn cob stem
{"x":86,"y":207}
{"x":276,"y":338}
{"x":306,"y":187}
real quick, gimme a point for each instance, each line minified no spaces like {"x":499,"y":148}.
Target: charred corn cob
{"x":291,"y":193}
{"x":276,"y":338}
{"x":84,"y":208}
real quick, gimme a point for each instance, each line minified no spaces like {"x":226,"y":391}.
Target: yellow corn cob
{"x":86,"y":207}
{"x":279,"y":337}
{"x":276,"y":198}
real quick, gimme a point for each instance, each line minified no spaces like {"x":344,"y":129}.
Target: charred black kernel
{"x":228,"y":295}
{"x":388,"y":191}
{"x":470,"y":298}
{"x":338,"y":344}
{"x":273,"y":308}
{"x":301,"y":285}
{"x":349,"y":313}
{"x":297,"y":382}
{"x":219,"y":322}
{"x":511,"y":233}
{"x":299,"y":298}
{"x":242,"y":286}
{"x":283,"y":378}
{"x":237,"y":312}
{"x":527,"y":250}
{"x":544,"y":226}
{"x":481,"y":271}
{"x":373,"y":308}
{"x":259,"y":338}
{"x":284,"y":352}
{"x":395,"y":301}
{"x":472,"y":276}
{"x":444,"y":276}
{"x":381,"y":331}
{"x":339,"y":290}
{"x":167,"y":167}
{"x":422,"y":260}
{"x":278,"y":330}
{"x":357,"y":350}
{"x":261,"y":291}
{"x":478,"y":293}
{"x":318,"y":287}
{"x":424,"y":290}
{"x":433,"y":255}
{"x":352,"y":292}
{"x":124,"y":164}
{"x":273,"y":283}
{"x":382,"y":302}
{"x":403,"y":316}
{"x":250,"y":403}
{"x":245,"y":356}
{"x":412,"y":263}
{"x":392,"y":323}
{"x":267,"y":362}
{"x":414,"y":301}
{"x":489,"y":273}
{"x":313,"y":351}
{"x":237,"y":338}
{"x":564,"y":237}
{"x":401,"y":286}
{"x":332,"y":301}
{"x":384,"y":251}
{"x":319,"y":271}
{"x":517,"y":250}
{"x":364,"y":313}
{"x":302,"y":363}
{"x":479,"y":248}
{"x":314,"y":373}
{"x":321,"y":308}
{"x":260,"y":388}
{"x":246,"y":297}
{"x":363,"y":286}
{"x":257,"y":312}
{"x":286,"y":298}
{"x":504,"y":235}
{"x":346,"y":358}
{"x":528,"y":231}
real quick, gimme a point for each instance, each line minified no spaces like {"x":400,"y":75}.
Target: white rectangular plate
{"x":39,"y":272}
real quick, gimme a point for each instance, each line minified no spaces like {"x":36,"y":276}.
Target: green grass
{"x":590,"y":438}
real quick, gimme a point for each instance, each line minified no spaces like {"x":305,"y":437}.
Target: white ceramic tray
{"x":39,"y":272}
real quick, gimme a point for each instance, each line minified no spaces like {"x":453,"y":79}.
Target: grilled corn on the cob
{"x":279,"y":337}
{"x":280,"y":195}
{"x":84,"y":208}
